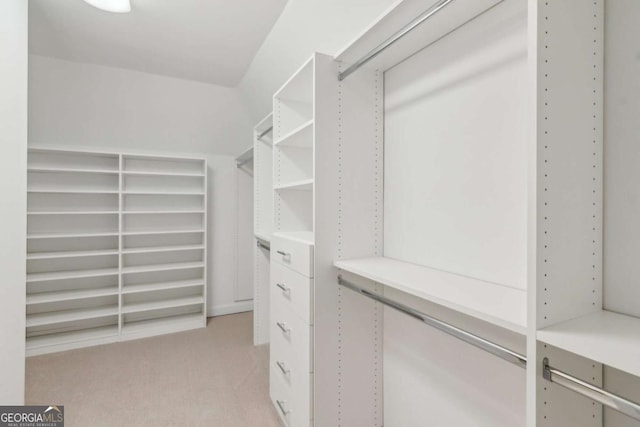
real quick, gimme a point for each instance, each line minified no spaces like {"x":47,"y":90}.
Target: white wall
{"x":13,"y":203}
{"x":102,"y":108}
{"x":304,"y":27}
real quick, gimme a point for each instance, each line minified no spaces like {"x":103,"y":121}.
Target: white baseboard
{"x":236,"y":307}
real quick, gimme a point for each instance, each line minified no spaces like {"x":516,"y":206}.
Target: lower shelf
{"x":606,"y":337}
{"x":162,"y":326}
{"x":43,"y":319}
{"x":160,"y":305}
{"x":70,"y":340}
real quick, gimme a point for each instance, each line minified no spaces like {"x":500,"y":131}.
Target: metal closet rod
{"x":394,"y":38}
{"x":604,"y":397}
{"x":476,"y":341}
{"x":263,"y":133}
{"x":263,"y":246}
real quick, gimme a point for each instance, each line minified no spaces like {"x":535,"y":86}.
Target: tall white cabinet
{"x":479,"y":170}
{"x":116,"y":247}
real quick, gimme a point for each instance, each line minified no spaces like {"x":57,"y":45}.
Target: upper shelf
{"x":302,"y":136}
{"x":401,"y":14}
{"x":300,"y":86}
{"x":493,"y":303}
{"x":609,"y":338}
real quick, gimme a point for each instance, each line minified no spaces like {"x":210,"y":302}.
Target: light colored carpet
{"x":207,"y":377}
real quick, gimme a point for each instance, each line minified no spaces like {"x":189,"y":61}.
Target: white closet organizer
{"x":300,"y":125}
{"x":116,"y":247}
{"x":456,"y":172}
{"x":262,"y":226}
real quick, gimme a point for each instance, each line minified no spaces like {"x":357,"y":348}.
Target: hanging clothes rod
{"x":604,"y":397}
{"x":263,"y":246}
{"x":244,"y":157}
{"x":476,"y":341}
{"x":394,"y":38}
{"x":264,"y":132}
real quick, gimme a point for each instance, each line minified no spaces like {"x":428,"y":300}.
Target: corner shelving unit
{"x":109,"y":255}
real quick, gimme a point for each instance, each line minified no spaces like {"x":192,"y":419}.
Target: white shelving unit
{"x":116,"y":247}
{"x":262,"y":226}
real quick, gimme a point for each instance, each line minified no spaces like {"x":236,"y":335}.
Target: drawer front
{"x":295,"y":255}
{"x":293,"y":290}
{"x":292,"y":409}
{"x":290,"y":336}
{"x":297,"y":380}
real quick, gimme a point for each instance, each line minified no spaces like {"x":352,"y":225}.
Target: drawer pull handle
{"x":282,"y":368}
{"x":283,"y":328}
{"x":283,"y":287}
{"x":284,"y":254}
{"x":281,"y":406}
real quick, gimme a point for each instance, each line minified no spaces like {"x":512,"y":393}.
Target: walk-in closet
{"x":292,"y":213}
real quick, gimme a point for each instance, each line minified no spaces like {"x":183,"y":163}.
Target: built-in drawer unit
{"x":293,"y":254}
{"x":291,"y":289}
{"x":289,"y":334}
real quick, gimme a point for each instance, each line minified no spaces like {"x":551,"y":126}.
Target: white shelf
{"x":71,"y":254}
{"x":71,"y":170}
{"x":43,"y":319}
{"x":264,"y":237}
{"x":305,"y":237}
{"x":302,"y":137}
{"x":162,"y":267}
{"x":74,"y":213}
{"x":163,"y":193}
{"x":75,"y":274}
{"x":606,"y":337}
{"x":199,"y":211}
{"x":69,"y":235}
{"x":46,"y":297}
{"x":302,"y":185}
{"x":188,"y":321}
{"x":64,"y":338}
{"x":160,"y":305}
{"x":152,"y":173}
{"x":497,"y":304}
{"x":71,"y":191}
{"x":162,"y":249}
{"x":161,"y":286}
{"x":143,"y":233}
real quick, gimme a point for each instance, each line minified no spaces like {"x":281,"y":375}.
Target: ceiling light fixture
{"x":116,"y":6}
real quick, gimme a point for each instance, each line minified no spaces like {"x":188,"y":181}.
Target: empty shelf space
{"x":159,"y":305}
{"x":52,"y":169}
{"x":165,"y":193}
{"x":46,"y":297}
{"x":71,"y":337}
{"x":187,"y":321}
{"x":161,"y":286}
{"x":76,"y":274}
{"x":142,"y":233}
{"x":494,"y":303}
{"x":302,"y":185}
{"x":51,"y":318}
{"x":162,"y":267}
{"x":69,"y":235}
{"x":71,"y":254}
{"x":305,"y":237}
{"x":606,"y":337}
{"x":72,"y":191}
{"x":152,"y":173}
{"x":302,"y":136}
{"x":200,"y":211}
{"x":73,"y":213}
{"x":162,"y":249}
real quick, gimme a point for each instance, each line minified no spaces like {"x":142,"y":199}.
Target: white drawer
{"x":291,"y":289}
{"x":291,"y":336}
{"x":296,"y":255}
{"x":291,"y":406}
{"x":297,"y":379}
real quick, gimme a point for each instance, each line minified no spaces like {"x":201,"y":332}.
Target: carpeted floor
{"x":211,"y":377}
